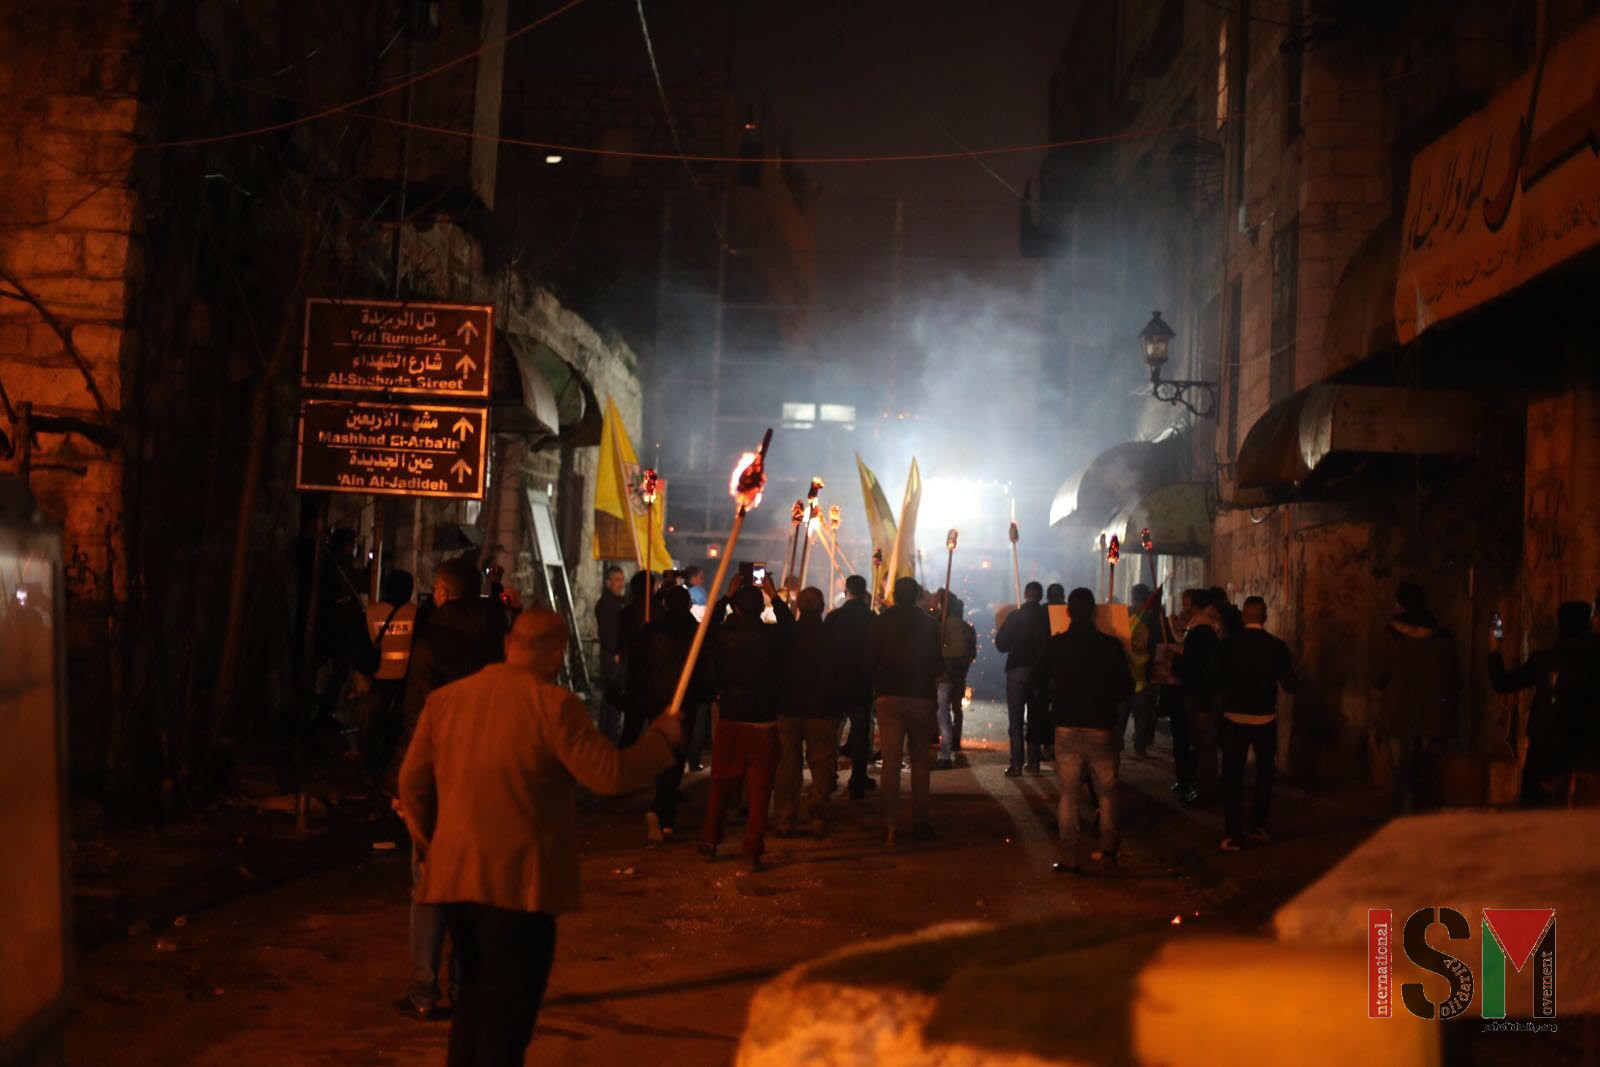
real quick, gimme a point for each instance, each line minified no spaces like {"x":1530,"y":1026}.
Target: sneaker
{"x":1063,"y":867}
{"x":1178,"y":788}
{"x":1230,"y":845}
{"x":1191,"y":799}
{"x":708,"y":852}
{"x":945,"y":764}
{"x":652,"y":828}
{"x":869,"y":784}
{"x":427,"y":1013}
{"x":1260,"y":834}
{"x":1013,"y":772}
{"x":1108,"y":858}
{"x":696,"y":766}
{"x":1032,"y":768}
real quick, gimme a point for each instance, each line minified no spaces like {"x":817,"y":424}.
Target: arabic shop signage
{"x":394,"y":347}
{"x":358,"y":446}
{"x":1511,"y":192}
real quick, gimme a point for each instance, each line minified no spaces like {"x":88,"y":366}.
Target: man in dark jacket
{"x":457,"y":640}
{"x":608,"y":621}
{"x":659,"y":656}
{"x":1248,"y":668}
{"x":631,"y":622}
{"x":1417,"y":673}
{"x":1022,"y":638}
{"x":1088,"y":677}
{"x":959,"y":647}
{"x":846,"y":628}
{"x":1193,"y":668}
{"x":1562,"y":721}
{"x":808,"y":722}
{"x":746,"y":657}
{"x":904,"y":656}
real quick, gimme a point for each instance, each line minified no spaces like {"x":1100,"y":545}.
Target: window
{"x":1285,"y":278}
{"x":1222,"y":76}
{"x":799,"y":416}
{"x":838,"y":413}
{"x":1230,"y":366}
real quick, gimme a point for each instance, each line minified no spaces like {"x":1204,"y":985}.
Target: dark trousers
{"x":504,"y":959}
{"x":742,"y":750}
{"x":670,"y":781}
{"x":1237,"y":740}
{"x":860,"y":746}
{"x":1408,"y":757}
{"x":1143,"y":708}
{"x":1177,"y":713}
{"x":1028,"y":714}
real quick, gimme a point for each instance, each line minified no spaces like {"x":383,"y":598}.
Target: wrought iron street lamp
{"x":1154,"y":340}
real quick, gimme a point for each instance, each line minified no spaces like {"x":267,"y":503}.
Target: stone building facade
{"x":1346,"y":455}
{"x":167,"y":212}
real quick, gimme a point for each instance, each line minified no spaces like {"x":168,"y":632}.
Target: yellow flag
{"x":623,"y":526}
{"x":903,"y":559}
{"x":880,"y":520}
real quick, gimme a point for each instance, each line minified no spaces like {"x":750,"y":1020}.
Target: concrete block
{"x":1222,"y":1002}
{"x":1468,"y":861}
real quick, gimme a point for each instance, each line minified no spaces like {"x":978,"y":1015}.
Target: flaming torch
{"x":797,"y":518}
{"x":649,"y":482}
{"x":1113,"y":553}
{"x":749,"y":478}
{"x":1016,"y":563}
{"x":830,"y":541}
{"x":1149,"y":546}
{"x":812,"y":521}
{"x":877,"y":571}
{"x":949,"y":569}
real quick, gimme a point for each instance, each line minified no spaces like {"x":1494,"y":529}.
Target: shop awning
{"x":536,"y":391}
{"x":1176,"y":516}
{"x":523,"y":400}
{"x":1116,"y":479}
{"x":1361,"y":317}
{"x":1302,"y":440}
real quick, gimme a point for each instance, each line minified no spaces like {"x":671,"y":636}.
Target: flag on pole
{"x":880,"y":520}
{"x":903,"y":558}
{"x":623,"y":525}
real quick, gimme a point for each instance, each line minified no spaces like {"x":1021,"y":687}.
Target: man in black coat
{"x":1193,"y":668}
{"x":1562,"y":723}
{"x":608,"y":621}
{"x":808,"y":722}
{"x":1088,"y":678}
{"x":1022,"y":638}
{"x":906,"y":659}
{"x":746,"y":656}
{"x":1418,"y":675}
{"x":660,"y":652}
{"x":846,"y":629}
{"x":1247,"y":670}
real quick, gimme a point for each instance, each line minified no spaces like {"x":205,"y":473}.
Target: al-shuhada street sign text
{"x":397,"y":347}
{"x":356,"y":446}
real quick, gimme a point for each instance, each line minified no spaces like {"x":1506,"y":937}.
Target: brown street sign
{"x":395,"y":346}
{"x":355,"y":446}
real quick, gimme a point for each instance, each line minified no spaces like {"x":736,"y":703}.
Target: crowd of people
{"x":484,"y":752}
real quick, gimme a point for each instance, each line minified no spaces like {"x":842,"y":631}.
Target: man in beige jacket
{"x":489,"y":792}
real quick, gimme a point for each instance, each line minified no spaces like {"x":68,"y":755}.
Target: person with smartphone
{"x":1417,"y":675}
{"x":1564,"y":721}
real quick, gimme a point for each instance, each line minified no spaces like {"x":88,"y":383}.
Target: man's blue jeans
{"x":947,"y":723}
{"x":427,"y":946}
{"x":1019,"y":691}
{"x":1078,"y":751}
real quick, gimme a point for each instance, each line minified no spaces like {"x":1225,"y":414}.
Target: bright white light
{"x":552,"y":158}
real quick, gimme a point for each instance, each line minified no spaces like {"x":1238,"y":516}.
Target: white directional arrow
{"x":466,"y":365}
{"x":466,"y":331}
{"x":461,"y":470}
{"x":462,"y":429}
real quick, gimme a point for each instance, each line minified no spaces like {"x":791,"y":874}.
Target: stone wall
{"x":68,"y":239}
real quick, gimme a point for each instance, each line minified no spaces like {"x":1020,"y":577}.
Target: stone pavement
{"x":662,"y":963}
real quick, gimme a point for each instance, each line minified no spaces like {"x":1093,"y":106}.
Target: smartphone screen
{"x":758,"y":574}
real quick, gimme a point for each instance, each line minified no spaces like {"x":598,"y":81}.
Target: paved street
{"x":659,"y":966}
